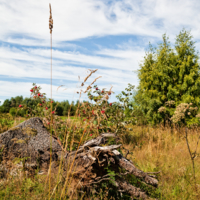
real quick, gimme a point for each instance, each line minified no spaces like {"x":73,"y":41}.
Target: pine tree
{"x":167,"y":75}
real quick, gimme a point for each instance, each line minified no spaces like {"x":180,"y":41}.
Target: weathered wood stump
{"x":88,"y":164}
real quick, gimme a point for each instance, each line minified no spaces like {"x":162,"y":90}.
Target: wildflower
{"x":46,"y":108}
{"x":102,"y":111}
{"x":97,"y":88}
{"x":31,"y":90}
{"x":40,"y":104}
{"x":53,"y":112}
{"x":38,"y":94}
{"x":90,"y":135}
{"x":84,"y":119}
{"x":20,"y":106}
{"x":35,"y":87}
{"x":162,"y":110}
{"x":110,"y":104}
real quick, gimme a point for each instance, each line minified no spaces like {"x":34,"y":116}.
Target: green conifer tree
{"x":167,"y":75}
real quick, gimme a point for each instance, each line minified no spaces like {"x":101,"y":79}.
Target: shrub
{"x":13,"y":111}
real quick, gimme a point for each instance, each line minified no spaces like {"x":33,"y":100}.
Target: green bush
{"x":21,"y":113}
{"x":13,"y":111}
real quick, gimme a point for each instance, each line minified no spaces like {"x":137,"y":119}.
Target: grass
{"x":152,"y":150}
{"x":71,"y":117}
{"x":7,"y":121}
{"x":157,"y":149}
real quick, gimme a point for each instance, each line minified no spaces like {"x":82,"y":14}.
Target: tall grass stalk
{"x":50,"y":27}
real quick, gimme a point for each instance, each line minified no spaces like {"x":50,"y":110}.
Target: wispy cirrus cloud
{"x":85,"y":18}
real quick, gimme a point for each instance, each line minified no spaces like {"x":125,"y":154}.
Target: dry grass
{"x":155,"y":149}
{"x":152,"y":149}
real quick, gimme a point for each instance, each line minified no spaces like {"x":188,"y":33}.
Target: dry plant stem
{"x":191,"y":157}
{"x":70,"y":180}
{"x":50,"y":27}
{"x":92,"y":71}
{"x":59,"y":172}
{"x":89,"y":87}
{"x":72,"y":163}
{"x":197,"y":145}
{"x":78,"y":108}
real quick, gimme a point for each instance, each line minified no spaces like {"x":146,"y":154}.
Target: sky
{"x":109,"y":35}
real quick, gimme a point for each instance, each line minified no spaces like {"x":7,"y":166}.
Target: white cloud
{"x":84,"y":18}
{"x":26,"y":24}
{"x":15,"y":62}
{"x":34,"y":63}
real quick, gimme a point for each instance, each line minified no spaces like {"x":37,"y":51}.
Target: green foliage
{"x":16,"y":101}
{"x":2,"y":109}
{"x":6,"y":106}
{"x":149,"y":190}
{"x":66,"y":106}
{"x":106,"y":117}
{"x":59,"y":110}
{"x":6,"y":121}
{"x":13,"y":111}
{"x":168,"y":74}
{"x":125,"y":99}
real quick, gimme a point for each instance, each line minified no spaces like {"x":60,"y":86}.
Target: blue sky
{"x":111,"y":36}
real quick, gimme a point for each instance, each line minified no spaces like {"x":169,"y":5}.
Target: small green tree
{"x":168,"y":75}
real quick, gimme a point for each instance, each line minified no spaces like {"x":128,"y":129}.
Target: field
{"x":158,"y":149}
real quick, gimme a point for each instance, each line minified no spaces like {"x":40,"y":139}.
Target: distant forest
{"x":11,"y":106}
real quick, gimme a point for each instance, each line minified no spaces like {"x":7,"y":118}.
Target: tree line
{"x":11,"y":106}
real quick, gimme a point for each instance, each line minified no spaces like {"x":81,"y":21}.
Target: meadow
{"x":169,"y":151}
{"x":154,"y":149}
